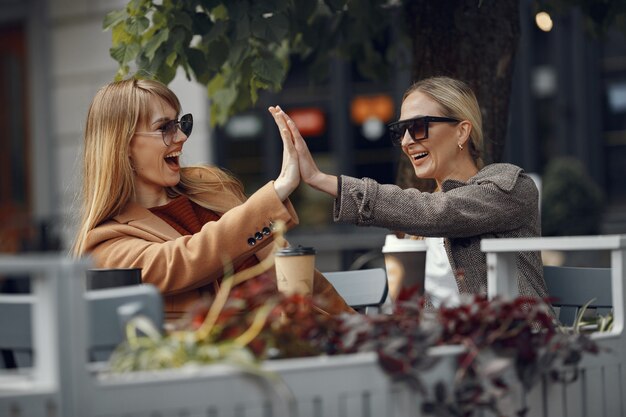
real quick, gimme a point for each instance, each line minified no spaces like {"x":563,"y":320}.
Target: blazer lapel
{"x":142,"y":218}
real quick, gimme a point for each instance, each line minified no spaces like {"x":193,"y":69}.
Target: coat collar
{"x":504,"y":176}
{"x":132,"y":212}
{"x":142,"y":218}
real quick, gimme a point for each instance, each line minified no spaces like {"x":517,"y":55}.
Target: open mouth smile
{"x":171,"y":159}
{"x":419,"y":156}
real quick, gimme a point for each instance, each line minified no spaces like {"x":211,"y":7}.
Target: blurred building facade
{"x":569,"y":99}
{"x":55,"y":56}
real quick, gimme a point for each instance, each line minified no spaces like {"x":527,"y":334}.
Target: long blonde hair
{"x":108,"y":184}
{"x":457,"y":101}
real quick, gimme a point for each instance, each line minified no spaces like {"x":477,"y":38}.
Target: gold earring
{"x":460,"y":147}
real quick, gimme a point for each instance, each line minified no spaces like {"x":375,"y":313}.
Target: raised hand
{"x":309,"y":171}
{"x":289,"y":176}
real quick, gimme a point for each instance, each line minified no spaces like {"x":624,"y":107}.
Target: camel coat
{"x":184,"y":268}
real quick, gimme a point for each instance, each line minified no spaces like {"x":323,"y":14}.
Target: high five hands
{"x":289,"y":176}
{"x":294,"y":142}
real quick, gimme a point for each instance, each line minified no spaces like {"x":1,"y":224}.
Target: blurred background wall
{"x":569,"y":100}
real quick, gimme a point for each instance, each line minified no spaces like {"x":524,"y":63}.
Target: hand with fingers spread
{"x":309,"y":171}
{"x":289,"y":176}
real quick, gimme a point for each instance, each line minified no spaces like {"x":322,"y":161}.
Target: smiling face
{"x":155,"y":165}
{"x":439,"y":156}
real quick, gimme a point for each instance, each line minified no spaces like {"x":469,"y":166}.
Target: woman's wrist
{"x":282,"y":189}
{"x":324,"y":182}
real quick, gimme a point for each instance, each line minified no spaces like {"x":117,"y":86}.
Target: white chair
{"x":364,"y":290}
{"x":601,"y":389}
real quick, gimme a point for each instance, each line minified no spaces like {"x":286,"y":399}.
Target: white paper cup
{"x":405,"y":262}
{"x":295,"y":269}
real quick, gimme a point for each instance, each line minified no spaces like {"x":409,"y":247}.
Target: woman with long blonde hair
{"x":142,"y":209}
{"x":440,"y":131}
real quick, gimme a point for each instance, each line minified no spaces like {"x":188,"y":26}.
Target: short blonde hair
{"x":457,"y":100}
{"x":108,"y":179}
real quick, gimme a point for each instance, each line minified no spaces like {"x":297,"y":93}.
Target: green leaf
{"x":159,"y":19}
{"x":215,"y":84}
{"x":578,"y":322}
{"x":303,"y":10}
{"x":274,"y":28}
{"x":222,"y":97}
{"x":152,"y":67}
{"x":155,"y":42}
{"x":182,"y":19}
{"x":257,"y":84}
{"x":217,"y":55}
{"x":166,"y":73}
{"x":239,"y":13}
{"x":238,"y":51}
{"x":119,"y":35}
{"x":113,"y":18}
{"x":219,"y":13}
{"x":271,"y":6}
{"x":124,"y":53}
{"x":242,"y":28}
{"x":210,"y":4}
{"x":218,"y":30}
{"x":202,"y":24}
{"x":269,"y":69}
{"x":178,"y":39}
{"x":238,"y":10}
{"x":121,"y":73}
{"x":242,"y":82}
{"x":137,"y":7}
{"x":198,"y":62}
{"x":171,"y":58}
{"x":136,"y":26}
{"x":335,"y":5}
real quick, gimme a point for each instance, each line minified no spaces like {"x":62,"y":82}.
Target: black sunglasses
{"x":417,"y":127}
{"x":169,"y":129}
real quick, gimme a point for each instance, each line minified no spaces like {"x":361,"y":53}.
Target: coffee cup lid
{"x":295,"y":251}
{"x":394,"y":244}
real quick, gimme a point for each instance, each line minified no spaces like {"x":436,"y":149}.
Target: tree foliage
{"x":238,"y":47}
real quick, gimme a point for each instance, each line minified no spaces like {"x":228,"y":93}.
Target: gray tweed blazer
{"x":499,"y":201}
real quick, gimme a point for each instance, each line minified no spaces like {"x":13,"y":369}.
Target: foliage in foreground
{"x":238,"y":48}
{"x":253,"y":322}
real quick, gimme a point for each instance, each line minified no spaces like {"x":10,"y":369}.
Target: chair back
{"x":573,"y":287}
{"x":15,"y":334}
{"x":109,"y":310}
{"x":364,"y":290}
{"x":100,"y":278}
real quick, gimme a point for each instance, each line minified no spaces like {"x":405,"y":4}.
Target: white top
{"x":440,"y":283}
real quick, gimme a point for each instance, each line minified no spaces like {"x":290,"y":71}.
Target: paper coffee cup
{"x":405,"y":262}
{"x":295,"y":268}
